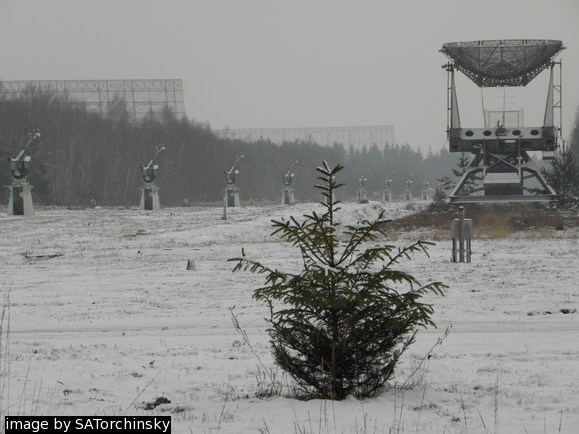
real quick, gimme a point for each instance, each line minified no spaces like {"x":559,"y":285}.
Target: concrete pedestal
{"x":362,"y":195}
{"x":231,"y":196}
{"x":288,"y":196}
{"x":150,"y":198}
{"x":20,"y":202}
{"x":387,"y":196}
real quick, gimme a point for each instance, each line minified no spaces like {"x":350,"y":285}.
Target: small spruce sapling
{"x":339,"y":326}
{"x":463,"y":164}
{"x":439,"y":200}
{"x":563,"y":176}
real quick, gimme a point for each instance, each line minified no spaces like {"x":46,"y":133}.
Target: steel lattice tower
{"x":325,"y":136}
{"x":141,"y":96}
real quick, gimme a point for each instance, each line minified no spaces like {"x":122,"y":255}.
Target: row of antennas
{"x":362,"y":194}
{"x":21,"y":199}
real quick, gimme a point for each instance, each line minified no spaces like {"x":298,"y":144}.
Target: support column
{"x":150,"y":197}
{"x":20,"y":202}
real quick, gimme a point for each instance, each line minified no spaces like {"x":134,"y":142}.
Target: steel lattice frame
{"x":141,"y":96}
{"x":324,"y":136}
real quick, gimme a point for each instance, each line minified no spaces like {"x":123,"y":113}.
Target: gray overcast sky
{"x":293,"y":63}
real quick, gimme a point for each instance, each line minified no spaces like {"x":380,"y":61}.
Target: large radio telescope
{"x":501,"y":167}
{"x":513,"y":62}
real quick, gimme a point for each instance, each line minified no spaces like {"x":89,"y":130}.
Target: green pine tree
{"x":439,"y":200}
{"x":462,"y":164}
{"x":563,"y":176}
{"x":340,"y":325}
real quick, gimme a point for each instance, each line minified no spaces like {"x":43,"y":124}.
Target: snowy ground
{"x":114,"y":320}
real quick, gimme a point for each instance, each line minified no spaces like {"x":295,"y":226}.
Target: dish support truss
{"x":501,"y":169}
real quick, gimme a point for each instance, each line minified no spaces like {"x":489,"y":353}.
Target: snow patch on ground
{"x":117,"y":321}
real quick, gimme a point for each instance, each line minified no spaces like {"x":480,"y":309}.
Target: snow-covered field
{"x":105,"y":318}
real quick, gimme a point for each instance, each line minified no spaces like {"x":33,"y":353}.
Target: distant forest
{"x":83,"y":157}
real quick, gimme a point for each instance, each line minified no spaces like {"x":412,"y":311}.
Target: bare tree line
{"x":84,"y":157}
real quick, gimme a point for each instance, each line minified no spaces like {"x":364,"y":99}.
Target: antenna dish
{"x":502,"y":62}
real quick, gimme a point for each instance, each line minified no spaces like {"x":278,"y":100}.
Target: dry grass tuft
{"x":492,"y":221}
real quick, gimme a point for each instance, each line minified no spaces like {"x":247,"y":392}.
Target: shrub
{"x":340,"y":326}
{"x":439,"y":202}
{"x":563,"y":176}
